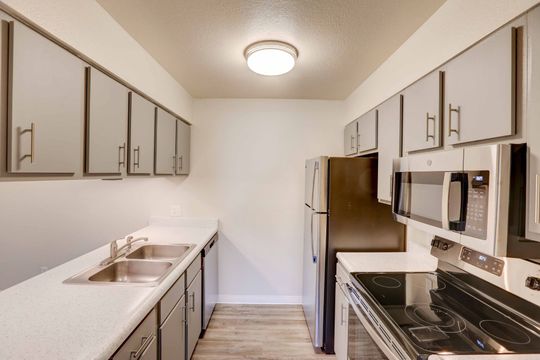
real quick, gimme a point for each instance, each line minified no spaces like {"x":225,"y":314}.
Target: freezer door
{"x":313,"y":273}
{"x":315,"y":183}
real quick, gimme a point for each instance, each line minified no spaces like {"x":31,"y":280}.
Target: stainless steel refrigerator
{"x":341,"y":213}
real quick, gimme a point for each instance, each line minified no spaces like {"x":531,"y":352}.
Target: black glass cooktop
{"x":435,"y":315}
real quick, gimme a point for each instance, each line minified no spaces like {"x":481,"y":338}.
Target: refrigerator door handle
{"x":313,"y":256}
{"x":315,"y":170}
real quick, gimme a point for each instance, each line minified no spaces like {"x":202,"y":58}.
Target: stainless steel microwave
{"x":461,"y":195}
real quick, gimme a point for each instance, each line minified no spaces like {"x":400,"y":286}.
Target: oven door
{"x":365,"y":341}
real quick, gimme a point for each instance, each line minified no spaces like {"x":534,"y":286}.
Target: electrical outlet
{"x":176,"y":211}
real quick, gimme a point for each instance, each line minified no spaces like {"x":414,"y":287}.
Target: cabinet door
{"x":194,"y":313}
{"x":183,"y":141}
{"x":142,"y":114}
{"x":172,"y":333}
{"x":106,"y":124}
{"x":389,"y":120}
{"x":350,"y":137}
{"x":367,"y":132}
{"x":165,"y":154}
{"x":340,"y":324}
{"x":45,"y":107}
{"x":479,"y":90}
{"x":422,"y":114}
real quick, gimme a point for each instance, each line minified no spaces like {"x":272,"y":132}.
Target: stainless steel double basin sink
{"x":146,"y":265}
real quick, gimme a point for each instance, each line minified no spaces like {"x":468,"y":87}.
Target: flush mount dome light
{"x":271,"y":58}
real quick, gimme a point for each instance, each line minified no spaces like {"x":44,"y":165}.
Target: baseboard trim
{"x":259,"y":299}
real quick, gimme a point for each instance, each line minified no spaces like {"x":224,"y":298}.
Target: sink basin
{"x":132,"y":272}
{"x":160,"y":252}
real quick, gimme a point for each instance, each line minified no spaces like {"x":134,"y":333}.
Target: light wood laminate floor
{"x":259,"y":332}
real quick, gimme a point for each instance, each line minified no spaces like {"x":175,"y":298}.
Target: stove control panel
{"x":482,"y":261}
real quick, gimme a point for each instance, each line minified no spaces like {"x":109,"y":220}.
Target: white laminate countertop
{"x":387,"y":261}
{"x":43,"y":318}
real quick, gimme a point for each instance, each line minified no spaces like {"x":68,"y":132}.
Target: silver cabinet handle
{"x":32,"y":131}
{"x":428,"y":136}
{"x":174,"y":163}
{"x":537,"y":200}
{"x":181,"y":158}
{"x":352,"y":142}
{"x":145,"y":341}
{"x":192,"y":307}
{"x":136,"y":156}
{"x":184,"y":318}
{"x":122,"y":155}
{"x":458,"y":111}
{"x":342,"y":322}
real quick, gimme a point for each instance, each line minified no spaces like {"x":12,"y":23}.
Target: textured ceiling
{"x":340,"y":42}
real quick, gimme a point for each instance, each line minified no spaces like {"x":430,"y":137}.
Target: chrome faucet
{"x":116,"y":252}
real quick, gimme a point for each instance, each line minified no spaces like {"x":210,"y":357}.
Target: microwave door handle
{"x":445,"y":200}
{"x":463,"y":179}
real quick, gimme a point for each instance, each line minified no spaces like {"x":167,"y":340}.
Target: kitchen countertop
{"x":387,"y":261}
{"x":43,"y":318}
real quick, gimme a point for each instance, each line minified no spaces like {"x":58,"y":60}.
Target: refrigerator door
{"x":314,"y":272}
{"x":315,"y":184}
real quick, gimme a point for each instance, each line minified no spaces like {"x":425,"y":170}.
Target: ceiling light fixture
{"x":271,"y":58}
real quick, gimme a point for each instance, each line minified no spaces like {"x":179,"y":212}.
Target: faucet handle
{"x":129,"y":239}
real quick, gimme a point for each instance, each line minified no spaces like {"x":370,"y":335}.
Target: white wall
{"x":248,"y":170}
{"x":455,"y":26}
{"x":86,"y":26}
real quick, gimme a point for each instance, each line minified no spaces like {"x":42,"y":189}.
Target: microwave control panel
{"x":477,"y":205}
{"x":482,"y":261}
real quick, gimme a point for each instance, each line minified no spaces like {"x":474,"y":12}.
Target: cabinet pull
{"x":181,"y":158}
{"x":192,"y":307}
{"x":428,"y":136}
{"x":458,"y":111}
{"x":184,"y":319}
{"x":122,"y":155}
{"x":352,"y":142}
{"x":537,"y":200}
{"x":32,"y":131}
{"x":174,"y":163}
{"x":342,"y":322}
{"x":136,"y":156}
{"x":145,"y":341}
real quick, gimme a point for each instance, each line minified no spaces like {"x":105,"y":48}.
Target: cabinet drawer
{"x":141,"y":339}
{"x":170,"y":299}
{"x":193,"y":269}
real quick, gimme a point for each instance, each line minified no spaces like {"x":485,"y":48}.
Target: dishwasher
{"x":210,"y":280}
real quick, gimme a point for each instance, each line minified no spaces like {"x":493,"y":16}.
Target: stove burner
{"x":505,"y":331}
{"x":444,"y":319}
{"x":386,"y":282}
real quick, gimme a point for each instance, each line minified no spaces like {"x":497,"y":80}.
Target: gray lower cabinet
{"x":183,"y":143}
{"x":350,"y":138}
{"x":422,"y":113}
{"x":172,"y":333}
{"x":479,"y":90}
{"x":142,"y":115}
{"x":106,"y":124}
{"x":45,"y":106}
{"x":142,"y":343}
{"x":194,"y":313}
{"x":165,"y":147}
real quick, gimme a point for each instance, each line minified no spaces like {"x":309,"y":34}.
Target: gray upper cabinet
{"x":183,"y":142}
{"x":165,"y":148}
{"x":479,"y":90}
{"x":45,"y":105}
{"x":422,"y":113}
{"x":350,"y":139}
{"x":106,"y":124}
{"x":142,"y":115}
{"x":389,"y":120}
{"x":367,"y":132}
{"x":194,"y":313}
